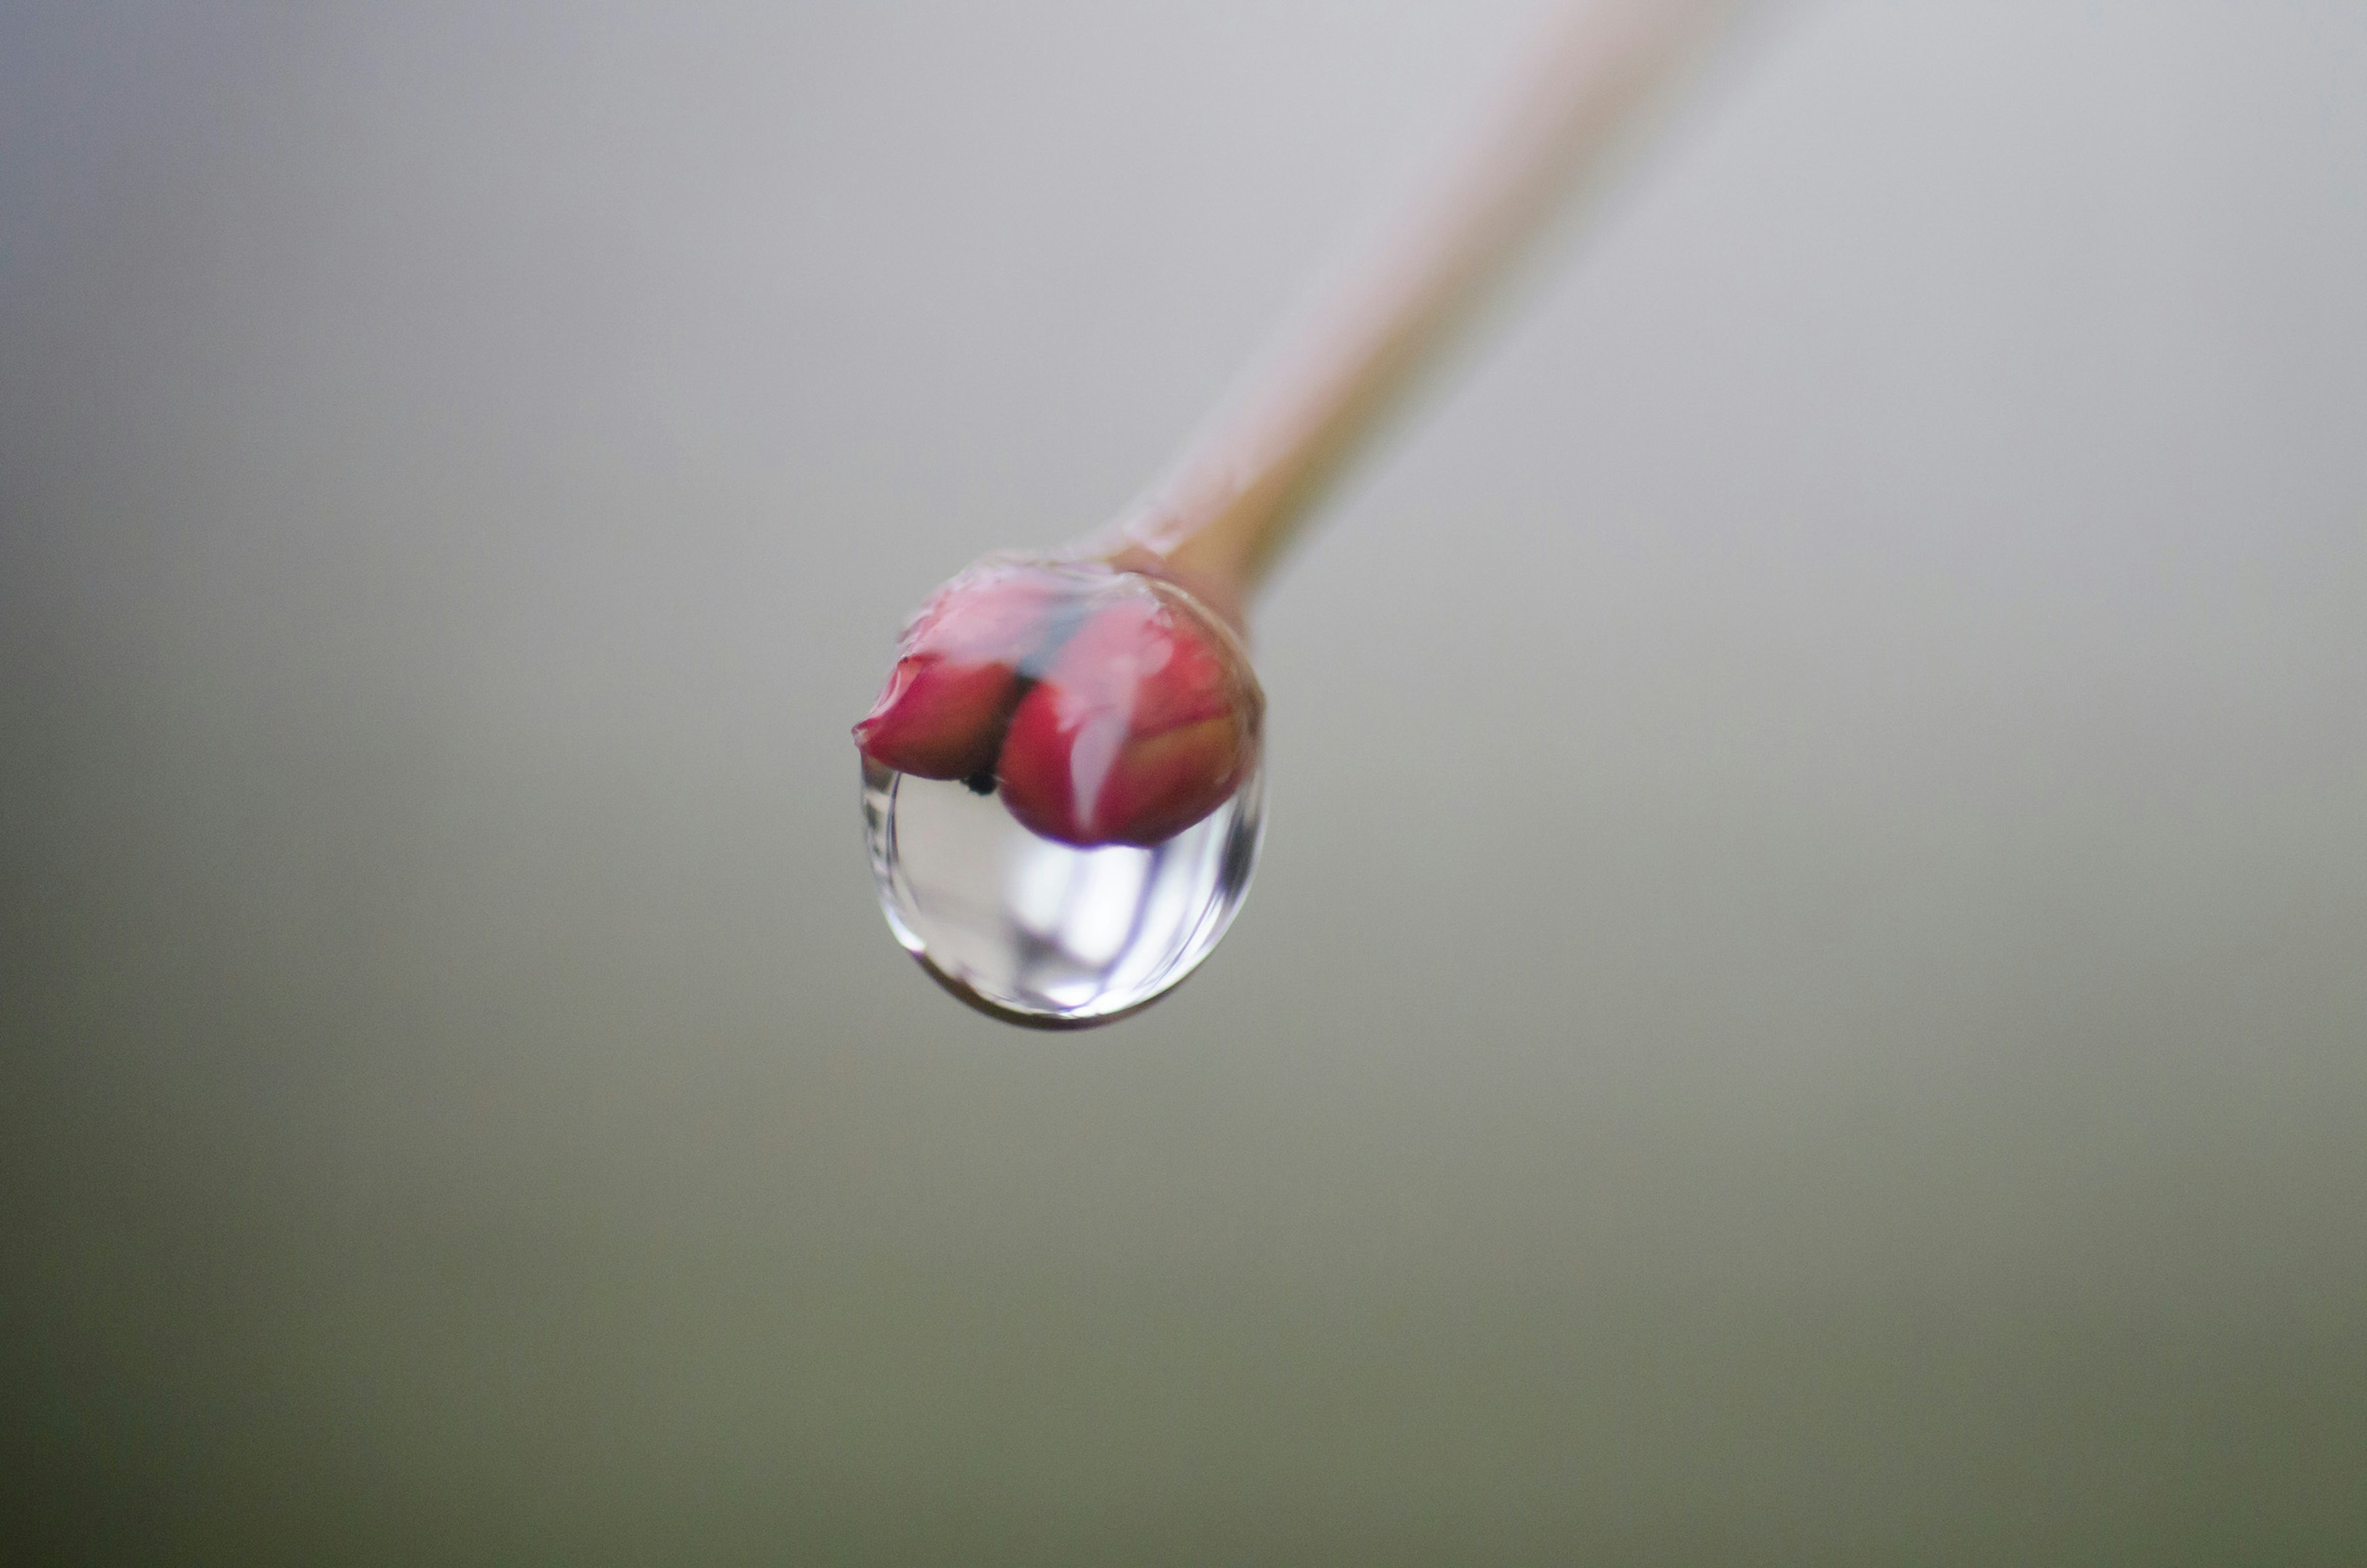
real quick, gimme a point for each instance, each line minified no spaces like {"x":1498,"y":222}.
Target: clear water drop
{"x":1041,"y":933}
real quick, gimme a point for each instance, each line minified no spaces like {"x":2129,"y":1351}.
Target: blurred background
{"x":1806,"y":1000}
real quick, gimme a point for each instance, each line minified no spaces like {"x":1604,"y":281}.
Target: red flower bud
{"x":1145,"y":721}
{"x":957,"y":673}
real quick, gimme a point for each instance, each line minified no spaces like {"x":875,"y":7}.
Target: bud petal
{"x":947,"y":703}
{"x":1144,"y":723}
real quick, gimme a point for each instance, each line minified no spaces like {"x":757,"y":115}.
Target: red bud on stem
{"x":1107,"y":706}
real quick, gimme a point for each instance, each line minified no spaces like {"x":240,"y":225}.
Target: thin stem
{"x":1222,"y":512}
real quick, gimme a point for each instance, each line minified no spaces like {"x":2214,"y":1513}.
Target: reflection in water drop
{"x":1038,"y":932}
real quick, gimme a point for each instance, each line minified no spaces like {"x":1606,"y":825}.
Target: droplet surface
{"x":1062,"y":787}
{"x":1039,"y":932}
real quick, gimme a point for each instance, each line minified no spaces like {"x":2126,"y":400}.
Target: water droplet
{"x":1038,"y":932}
{"x":1062,"y":787}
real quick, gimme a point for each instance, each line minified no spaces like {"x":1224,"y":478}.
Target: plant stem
{"x":1221,"y":513}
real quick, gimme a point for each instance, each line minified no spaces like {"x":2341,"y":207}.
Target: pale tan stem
{"x":1218,"y":517}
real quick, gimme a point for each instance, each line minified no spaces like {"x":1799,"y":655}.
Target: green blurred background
{"x":1806,"y":1000}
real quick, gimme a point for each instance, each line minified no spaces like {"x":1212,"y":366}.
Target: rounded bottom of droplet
{"x":1042,"y":934}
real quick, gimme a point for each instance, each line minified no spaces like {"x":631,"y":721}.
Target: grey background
{"x":1806,"y":997}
